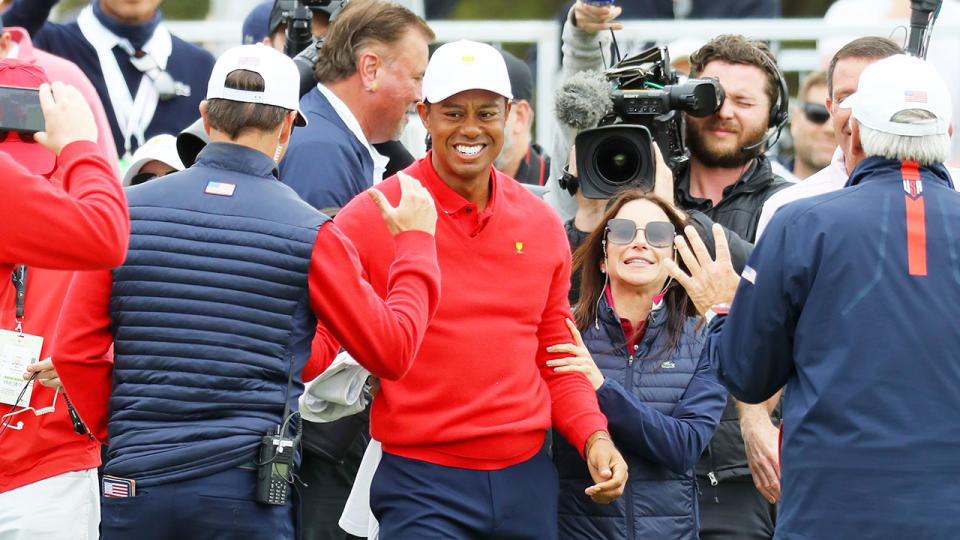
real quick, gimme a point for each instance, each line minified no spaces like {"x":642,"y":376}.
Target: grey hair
{"x":925,"y":149}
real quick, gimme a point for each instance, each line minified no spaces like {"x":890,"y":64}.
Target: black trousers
{"x":735,"y":510}
{"x":328,"y":486}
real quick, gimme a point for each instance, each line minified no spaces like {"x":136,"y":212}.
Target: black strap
{"x":20,"y":282}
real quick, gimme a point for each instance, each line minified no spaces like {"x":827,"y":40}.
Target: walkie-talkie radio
{"x":276,"y":456}
{"x":274,"y":469}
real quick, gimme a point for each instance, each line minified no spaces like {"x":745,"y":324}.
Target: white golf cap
{"x":465,"y":65}
{"x":281,"y":79}
{"x":157,"y":148}
{"x":899,"y":83}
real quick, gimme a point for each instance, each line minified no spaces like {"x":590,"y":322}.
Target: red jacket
{"x":479,"y":394}
{"x":81,"y":224}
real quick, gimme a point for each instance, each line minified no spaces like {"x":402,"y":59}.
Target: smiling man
{"x":471,"y":415}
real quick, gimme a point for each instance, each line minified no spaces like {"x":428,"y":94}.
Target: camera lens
{"x":618,"y":160}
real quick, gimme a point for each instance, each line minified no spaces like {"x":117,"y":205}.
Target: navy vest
{"x":207,"y":313}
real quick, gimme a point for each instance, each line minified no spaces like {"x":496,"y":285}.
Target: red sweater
{"x":382,"y":335}
{"x":479,"y":394}
{"x":82,"y":224}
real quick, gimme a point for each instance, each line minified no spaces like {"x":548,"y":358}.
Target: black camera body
{"x":298,"y":14}
{"x":648,"y":106}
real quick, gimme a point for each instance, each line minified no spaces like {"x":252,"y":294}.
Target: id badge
{"x":17,"y":351}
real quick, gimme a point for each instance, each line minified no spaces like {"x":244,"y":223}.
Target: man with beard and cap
{"x":728,"y":179}
{"x":61,"y":213}
{"x":149,"y":80}
{"x":463,"y":432}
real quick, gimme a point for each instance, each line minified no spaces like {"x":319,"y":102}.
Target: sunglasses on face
{"x":815,"y":112}
{"x":657,"y":233}
{"x":24,"y":137}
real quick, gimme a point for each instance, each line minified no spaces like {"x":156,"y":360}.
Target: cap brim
{"x":301,"y":120}
{"x":33,"y":156}
{"x":848,"y":102}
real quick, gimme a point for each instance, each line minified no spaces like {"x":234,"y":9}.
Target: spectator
{"x":640,"y":351}
{"x":843,"y":77}
{"x":72,"y":216}
{"x":149,"y":80}
{"x":364,"y":93}
{"x":943,"y":47}
{"x":473,"y":423}
{"x":158,"y":157}
{"x":521,"y":158}
{"x":867,"y":357}
{"x":15,"y":43}
{"x":728,"y":179}
{"x":810,"y":128}
{"x":248,"y":325}
{"x":699,"y":9}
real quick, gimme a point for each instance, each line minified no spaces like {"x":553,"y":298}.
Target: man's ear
{"x":524,"y":114}
{"x":203,"y":114}
{"x":423,"y":109}
{"x":368,"y":67}
{"x":287,"y":130}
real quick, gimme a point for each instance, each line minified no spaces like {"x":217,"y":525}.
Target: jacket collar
{"x":237,"y":158}
{"x":753,"y":179}
{"x":876,"y":168}
{"x":610,"y":321}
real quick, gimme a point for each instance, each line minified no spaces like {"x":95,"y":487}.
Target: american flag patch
{"x":117,"y":487}
{"x":749,"y":274}
{"x":914,"y":96}
{"x":225,"y":189}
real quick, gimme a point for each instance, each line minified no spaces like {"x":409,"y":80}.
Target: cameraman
{"x":728,"y":179}
{"x":66,"y":213}
{"x":267,"y":22}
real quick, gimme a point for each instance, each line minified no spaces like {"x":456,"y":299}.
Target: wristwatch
{"x":714,"y":310}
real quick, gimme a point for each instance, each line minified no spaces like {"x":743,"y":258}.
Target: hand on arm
{"x":581,"y":361}
{"x":607,"y":468}
{"x":761,"y":442}
{"x":593,"y":18}
{"x":710,"y":282}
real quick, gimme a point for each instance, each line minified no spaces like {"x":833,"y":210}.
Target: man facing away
{"x":471,"y":415}
{"x":850,"y":304}
{"x":213,"y":314}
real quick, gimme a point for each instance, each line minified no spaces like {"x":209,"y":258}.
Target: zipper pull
{"x":713,"y":478}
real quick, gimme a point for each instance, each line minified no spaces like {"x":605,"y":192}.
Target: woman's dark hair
{"x":590,"y":254}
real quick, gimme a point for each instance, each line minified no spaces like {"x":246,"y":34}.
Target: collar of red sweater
{"x":450,"y":203}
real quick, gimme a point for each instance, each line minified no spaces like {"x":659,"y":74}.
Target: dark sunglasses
{"x":24,"y":137}
{"x":815,"y":112}
{"x":657,"y":233}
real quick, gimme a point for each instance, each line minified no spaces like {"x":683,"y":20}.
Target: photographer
{"x":61,"y":213}
{"x":213,"y":314}
{"x":728,"y":179}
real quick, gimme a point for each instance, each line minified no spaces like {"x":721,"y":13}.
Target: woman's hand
{"x":580,"y":361}
{"x":710,"y":282}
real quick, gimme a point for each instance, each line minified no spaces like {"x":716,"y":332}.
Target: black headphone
{"x":779,"y":111}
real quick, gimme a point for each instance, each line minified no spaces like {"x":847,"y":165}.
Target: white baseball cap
{"x":161,"y":147}
{"x":899,"y":83}
{"x":465,"y":65}
{"x":281,"y":79}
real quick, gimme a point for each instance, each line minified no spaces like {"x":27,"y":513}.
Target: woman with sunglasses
{"x":640,"y":349}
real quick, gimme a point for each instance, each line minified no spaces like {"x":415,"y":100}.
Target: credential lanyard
{"x":20,"y":283}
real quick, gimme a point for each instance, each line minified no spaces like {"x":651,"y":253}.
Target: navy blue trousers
{"x":414,"y":499}
{"x":219,"y":506}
